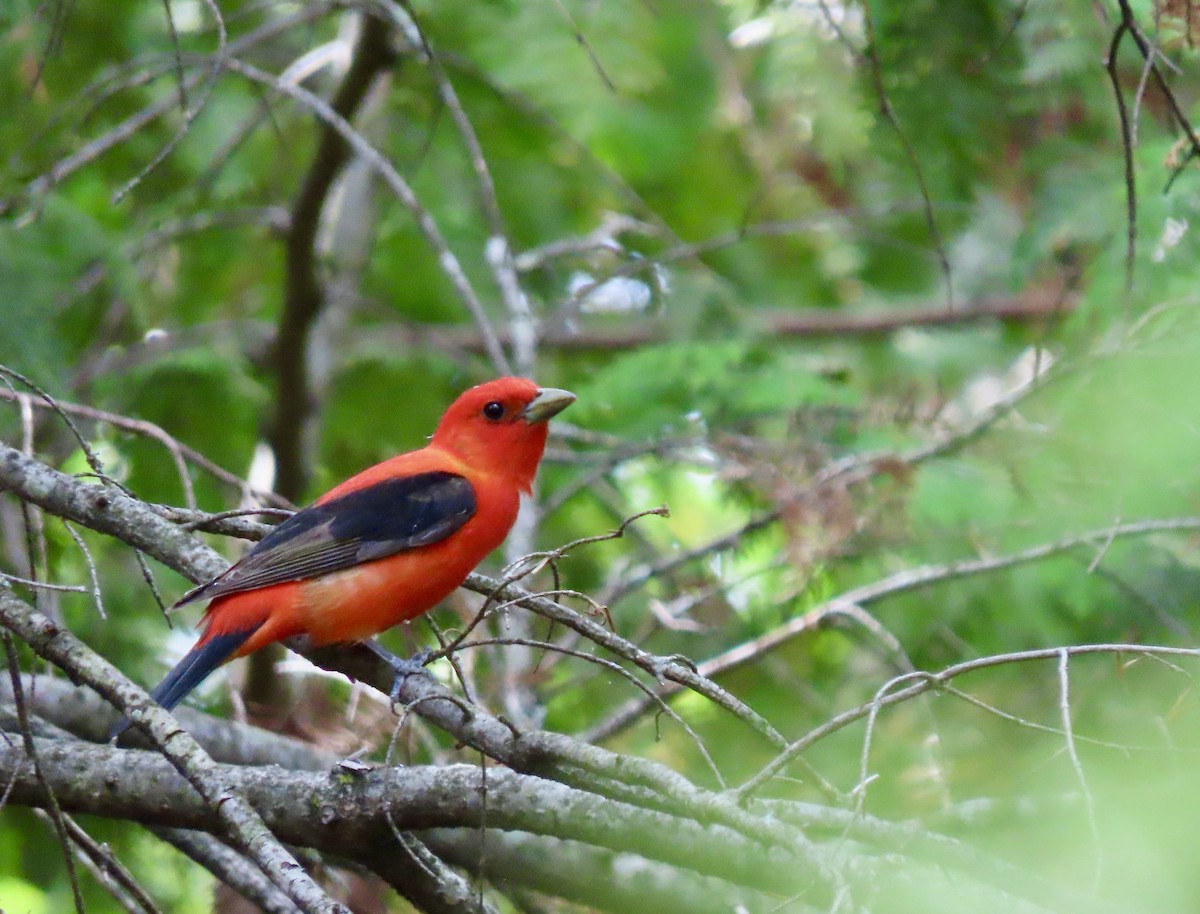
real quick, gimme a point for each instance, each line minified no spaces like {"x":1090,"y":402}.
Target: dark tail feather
{"x":191,"y":671}
{"x":194,"y":668}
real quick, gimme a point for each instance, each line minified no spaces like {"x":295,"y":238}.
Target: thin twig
{"x":229,"y":866}
{"x":612,"y":667}
{"x":901,"y":582}
{"x":56,"y":814}
{"x":926,"y":681}
{"x":1089,"y":803}
{"x":1110,"y":65}
{"x":91,"y":567}
{"x":216,"y":64}
{"x":109,"y":871}
{"x":176,"y":448}
{"x":135,"y":122}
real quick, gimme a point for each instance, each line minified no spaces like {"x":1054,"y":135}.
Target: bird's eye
{"x":494,"y":411}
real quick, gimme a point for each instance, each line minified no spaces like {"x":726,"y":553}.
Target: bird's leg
{"x":401,"y":666}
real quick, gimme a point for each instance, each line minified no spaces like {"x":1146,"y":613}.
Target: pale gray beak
{"x":548,"y":402}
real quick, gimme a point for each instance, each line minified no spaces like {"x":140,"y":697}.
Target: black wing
{"x":371,"y":523}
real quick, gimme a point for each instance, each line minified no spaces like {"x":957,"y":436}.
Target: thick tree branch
{"x":1034,"y":308}
{"x":350,"y":815}
{"x":592,"y":876}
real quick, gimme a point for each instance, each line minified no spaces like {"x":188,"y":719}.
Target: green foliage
{"x":756,"y":133}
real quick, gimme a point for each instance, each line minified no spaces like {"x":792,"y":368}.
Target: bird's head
{"x":500,"y":427}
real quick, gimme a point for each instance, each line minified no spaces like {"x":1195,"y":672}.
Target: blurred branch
{"x":447,"y":261}
{"x":1034,"y":307}
{"x":1150,"y":55}
{"x":851,"y":601}
{"x":1127,"y":141}
{"x":304,"y":296}
{"x":215,"y":64}
{"x":847,"y":471}
{"x":256,"y":337}
{"x":137,"y":121}
{"x":871,"y":55}
{"x":902,"y":688}
{"x":499,"y":257}
{"x":180,"y":453}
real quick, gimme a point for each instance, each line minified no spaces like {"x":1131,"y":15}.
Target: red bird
{"x":384,"y":546}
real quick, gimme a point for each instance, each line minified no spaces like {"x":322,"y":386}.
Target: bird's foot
{"x":405,"y":667}
{"x":660,"y":663}
{"x":402,"y":667}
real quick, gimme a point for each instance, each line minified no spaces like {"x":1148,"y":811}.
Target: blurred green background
{"x":756,"y":203}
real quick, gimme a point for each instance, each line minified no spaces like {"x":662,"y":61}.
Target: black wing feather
{"x":372,"y":523}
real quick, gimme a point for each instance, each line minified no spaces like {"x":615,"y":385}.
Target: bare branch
{"x":229,"y":866}
{"x":189,"y":112}
{"x":178,"y":450}
{"x":339,"y":815}
{"x":1034,"y":307}
{"x":922,"y":682}
{"x":901,"y":582}
{"x":43,"y":787}
{"x":109,"y":871}
{"x":1089,"y":802}
{"x":237,"y":818}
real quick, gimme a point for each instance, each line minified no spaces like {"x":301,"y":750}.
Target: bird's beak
{"x":548,"y":402}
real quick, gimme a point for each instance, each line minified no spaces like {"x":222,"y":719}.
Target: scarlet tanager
{"x":386,"y":545}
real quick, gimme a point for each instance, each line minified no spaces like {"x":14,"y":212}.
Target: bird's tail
{"x":193,"y":669}
{"x":208,"y":654}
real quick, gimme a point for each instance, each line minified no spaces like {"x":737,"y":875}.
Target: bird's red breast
{"x":387,"y":544}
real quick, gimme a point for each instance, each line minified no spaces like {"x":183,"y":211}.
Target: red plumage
{"x":387,"y":544}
